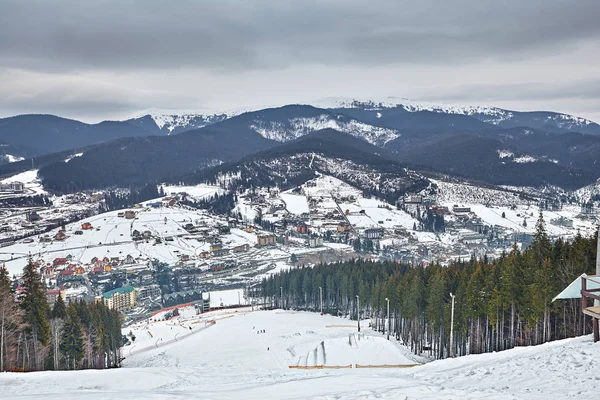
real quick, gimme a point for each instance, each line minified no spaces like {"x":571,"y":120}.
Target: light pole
{"x":452,"y":327}
{"x":358,"y":311}
{"x":388,"y":318}
{"x":281,"y":296}
{"x":321,"y":296}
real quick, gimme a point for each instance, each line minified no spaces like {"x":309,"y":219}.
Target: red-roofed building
{"x":59,"y":261}
{"x":98,"y":270}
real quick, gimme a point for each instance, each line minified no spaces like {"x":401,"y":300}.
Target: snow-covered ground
{"x":295,"y":204}
{"x":30,"y":180}
{"x":232,"y":359}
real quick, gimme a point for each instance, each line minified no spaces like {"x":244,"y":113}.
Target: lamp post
{"x":452,"y":327}
{"x":321,"y":296}
{"x":388,"y":318}
{"x":358,"y":311}
{"x":281,"y":296}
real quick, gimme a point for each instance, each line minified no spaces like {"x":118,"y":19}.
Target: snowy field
{"x":30,"y":179}
{"x":231,"y":359}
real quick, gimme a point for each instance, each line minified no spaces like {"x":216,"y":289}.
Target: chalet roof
{"x":573,"y":291}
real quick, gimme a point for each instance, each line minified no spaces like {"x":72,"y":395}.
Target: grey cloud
{"x":588,"y":89}
{"x":234,"y":35}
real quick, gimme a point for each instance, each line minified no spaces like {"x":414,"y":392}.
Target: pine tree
{"x":541,"y":245}
{"x":59,"y":310}
{"x":72,"y":340}
{"x":36,"y":310}
{"x":4,"y":277}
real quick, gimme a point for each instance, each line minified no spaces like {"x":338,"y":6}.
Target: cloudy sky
{"x":111,"y":59}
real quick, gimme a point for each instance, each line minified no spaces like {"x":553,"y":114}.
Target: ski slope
{"x":230,"y":360}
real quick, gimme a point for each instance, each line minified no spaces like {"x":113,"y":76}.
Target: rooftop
{"x":121,"y":290}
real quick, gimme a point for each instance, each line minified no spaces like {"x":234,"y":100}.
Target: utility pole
{"x":452,"y":327}
{"x":321,"y":296}
{"x":358,"y":311}
{"x":388,"y":318}
{"x":281,"y":296}
{"x":597,"y":302}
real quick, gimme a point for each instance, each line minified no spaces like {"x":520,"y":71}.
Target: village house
{"x":302,"y":228}
{"x":48,"y":272}
{"x":220,"y":252}
{"x":204,"y":254}
{"x":86,"y":226}
{"x":314,"y":241}
{"x":129,"y":214}
{"x":343,"y":227}
{"x":241,"y":248}
{"x":266,"y":240}
{"x":373,"y":233}
{"x":61,"y":235}
{"x":215,"y":246}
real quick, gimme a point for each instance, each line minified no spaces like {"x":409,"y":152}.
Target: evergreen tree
{"x":36,"y":311}
{"x":4,"y":277}
{"x":72,"y":345}
{"x":59,"y":310}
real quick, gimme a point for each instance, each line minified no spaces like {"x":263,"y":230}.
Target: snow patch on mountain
{"x":172,"y":122}
{"x":73,"y":156}
{"x":525,"y":159}
{"x":298,"y":127}
{"x":505,"y":153}
{"x":10,"y":158}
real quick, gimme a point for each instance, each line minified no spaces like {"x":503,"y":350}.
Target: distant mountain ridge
{"x":486,"y":144}
{"x":548,"y":120}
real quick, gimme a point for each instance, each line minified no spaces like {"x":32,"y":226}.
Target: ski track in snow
{"x":230,"y":360}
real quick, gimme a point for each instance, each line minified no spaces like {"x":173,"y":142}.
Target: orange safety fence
{"x":386,"y":366}
{"x":352,"y":366}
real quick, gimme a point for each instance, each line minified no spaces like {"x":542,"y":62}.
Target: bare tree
{"x":56,"y":328}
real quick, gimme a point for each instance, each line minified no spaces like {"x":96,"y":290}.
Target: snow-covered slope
{"x":172,"y":123}
{"x":10,"y":158}
{"x":231,"y":359}
{"x":293,"y":128}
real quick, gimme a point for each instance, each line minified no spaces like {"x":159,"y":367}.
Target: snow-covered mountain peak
{"x":175,"y":121}
{"x":493,"y":115}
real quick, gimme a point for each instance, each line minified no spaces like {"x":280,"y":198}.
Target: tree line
{"x":499,"y":304}
{"x":114,"y":200}
{"x":36,"y":337}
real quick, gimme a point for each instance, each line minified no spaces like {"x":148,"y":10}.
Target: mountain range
{"x":486,"y":144}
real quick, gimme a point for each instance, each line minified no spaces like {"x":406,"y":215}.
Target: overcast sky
{"x":111,"y":59}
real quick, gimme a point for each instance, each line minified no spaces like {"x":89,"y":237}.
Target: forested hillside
{"x":499,"y":304}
